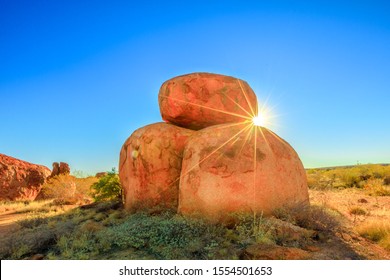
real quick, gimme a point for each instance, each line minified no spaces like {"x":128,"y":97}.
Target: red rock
{"x":101,"y":174}
{"x":287,"y":233}
{"x":220,"y":176}
{"x":20,"y":180}
{"x":64,"y":168}
{"x":150,"y":165}
{"x":56,"y":169}
{"x":274,"y":252}
{"x":61,"y":168}
{"x":200,"y":100}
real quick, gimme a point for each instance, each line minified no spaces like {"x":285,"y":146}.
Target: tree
{"x":108,"y":187}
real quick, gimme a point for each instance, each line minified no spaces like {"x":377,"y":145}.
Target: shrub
{"x":107,"y":188}
{"x":357,"y":211}
{"x":376,"y":187}
{"x":67,"y":189}
{"x":350,"y":177}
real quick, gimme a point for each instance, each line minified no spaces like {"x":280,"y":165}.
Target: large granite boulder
{"x":239,"y":168}
{"x":199,"y":100}
{"x":150,"y":166}
{"x":20,"y":180}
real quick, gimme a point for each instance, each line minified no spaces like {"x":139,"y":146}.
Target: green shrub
{"x":107,"y":188}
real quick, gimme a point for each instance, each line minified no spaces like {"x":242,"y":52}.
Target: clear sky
{"x":78,"y":77}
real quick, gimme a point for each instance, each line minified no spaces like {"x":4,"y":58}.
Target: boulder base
{"x":239,"y":168}
{"x":200,"y":100}
{"x":150,"y":164}
{"x":20,"y":180}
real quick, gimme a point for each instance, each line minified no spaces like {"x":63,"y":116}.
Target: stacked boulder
{"x":208,"y":159}
{"x":61,"y":168}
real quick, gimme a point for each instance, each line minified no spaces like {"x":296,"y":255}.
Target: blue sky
{"x":76,"y":79}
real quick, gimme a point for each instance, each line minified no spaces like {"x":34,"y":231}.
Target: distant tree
{"x":108,"y":187}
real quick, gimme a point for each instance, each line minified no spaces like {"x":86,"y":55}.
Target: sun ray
{"x":209,"y":108}
{"x":222,"y":126}
{"x":213,"y":152}
{"x":254,"y":169}
{"x":264,"y":138}
{"x":242,"y":108}
{"x":276,"y":136}
{"x":246,"y":98}
{"x":249,"y":132}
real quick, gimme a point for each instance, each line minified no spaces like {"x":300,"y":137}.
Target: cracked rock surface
{"x":20,"y":180}
{"x":257,"y":172}
{"x":200,"y":100}
{"x":150,"y":166}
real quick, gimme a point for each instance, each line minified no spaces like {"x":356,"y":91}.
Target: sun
{"x":258,"y":120}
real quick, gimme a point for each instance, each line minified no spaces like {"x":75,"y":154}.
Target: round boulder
{"x":200,"y":100}
{"x":239,"y":168}
{"x":150,"y":164}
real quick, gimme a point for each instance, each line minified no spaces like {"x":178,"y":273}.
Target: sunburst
{"x":254,"y":120}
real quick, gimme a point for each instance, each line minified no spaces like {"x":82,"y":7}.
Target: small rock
{"x":362,"y":200}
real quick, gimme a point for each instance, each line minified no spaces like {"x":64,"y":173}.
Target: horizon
{"x":77,"y":79}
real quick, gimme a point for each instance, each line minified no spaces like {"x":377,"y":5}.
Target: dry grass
{"x":357,"y":211}
{"x":377,"y":231}
{"x":67,"y":189}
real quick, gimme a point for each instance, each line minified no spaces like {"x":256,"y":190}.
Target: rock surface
{"x":199,"y":100}
{"x":274,"y":252}
{"x":20,"y":180}
{"x":101,"y":174}
{"x":64,"y":168}
{"x":239,"y":168}
{"x":61,"y":168}
{"x":150,"y":165}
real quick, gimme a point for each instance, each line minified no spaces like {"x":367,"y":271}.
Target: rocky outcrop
{"x":64,"y":168}
{"x":210,"y":158}
{"x":61,"y":168}
{"x":233,"y":168}
{"x":20,"y":180}
{"x":150,"y":166}
{"x":200,"y":100}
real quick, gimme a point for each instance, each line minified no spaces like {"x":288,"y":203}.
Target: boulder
{"x":20,"y":180}
{"x":64,"y":168}
{"x":239,"y":168}
{"x":150,"y":165}
{"x":101,"y":174}
{"x":200,"y":100}
{"x":61,"y":168}
{"x":56,"y":169}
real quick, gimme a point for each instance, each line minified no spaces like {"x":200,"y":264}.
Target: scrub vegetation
{"x":83,"y":218}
